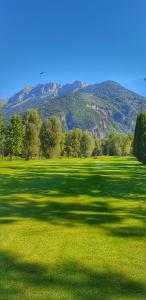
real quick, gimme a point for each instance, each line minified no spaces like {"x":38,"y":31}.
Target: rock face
{"x":99,"y":108}
{"x":20,"y":96}
{"x":51,"y":89}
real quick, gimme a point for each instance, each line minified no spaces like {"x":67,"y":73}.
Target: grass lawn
{"x":73,"y":229}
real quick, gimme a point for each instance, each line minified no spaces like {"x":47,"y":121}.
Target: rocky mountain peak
{"x":101,"y":107}
{"x":51,"y":89}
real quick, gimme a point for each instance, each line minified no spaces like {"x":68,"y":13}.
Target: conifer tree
{"x":2,"y":135}
{"x":139,"y":144}
{"x":136,"y":141}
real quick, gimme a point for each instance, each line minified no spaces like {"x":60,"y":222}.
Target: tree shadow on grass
{"x":128,"y":231}
{"x":94,"y":214}
{"x":69,"y":280}
{"x":85,"y":180}
{"x":52,"y":183}
{"x":58,"y":213}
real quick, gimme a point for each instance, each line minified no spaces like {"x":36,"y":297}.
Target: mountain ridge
{"x":51,"y":89}
{"x":100,"y":107}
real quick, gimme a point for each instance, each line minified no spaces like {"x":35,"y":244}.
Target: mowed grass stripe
{"x":73,"y":229}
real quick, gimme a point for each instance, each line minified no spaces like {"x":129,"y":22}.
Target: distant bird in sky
{"x":41,"y":73}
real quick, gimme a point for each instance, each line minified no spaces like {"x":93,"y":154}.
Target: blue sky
{"x":91,"y":40}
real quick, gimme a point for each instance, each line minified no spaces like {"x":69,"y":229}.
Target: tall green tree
{"x":32,"y":134}
{"x":126,"y":142}
{"x":100,"y":147}
{"x":51,"y":137}
{"x":139,"y":144}
{"x":14,"y":136}
{"x":113,"y":145}
{"x":73,"y":140}
{"x":62,"y":144}
{"x":87,"y":144}
{"x":136,"y":141}
{"x":2,"y":135}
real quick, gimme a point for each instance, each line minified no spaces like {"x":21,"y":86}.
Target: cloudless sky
{"x":90,"y":40}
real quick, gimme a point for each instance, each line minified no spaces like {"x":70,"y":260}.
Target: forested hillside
{"x":100,"y":108}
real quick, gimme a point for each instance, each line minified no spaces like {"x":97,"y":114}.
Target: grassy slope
{"x":73,"y":229}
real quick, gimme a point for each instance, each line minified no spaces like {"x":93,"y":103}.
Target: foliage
{"x":87,"y":144}
{"x":49,"y":140}
{"x":139,"y":144}
{"x":116,"y":144}
{"x":32,"y":131}
{"x":2,"y":135}
{"x":51,"y":134}
{"x":62,"y":145}
{"x":119,"y":145}
{"x":14,"y":136}
{"x":78,"y":143}
{"x":73,"y":143}
{"x":100,"y":147}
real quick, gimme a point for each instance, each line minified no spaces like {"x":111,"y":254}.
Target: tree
{"x":126,"y":144}
{"x":139,"y":144}
{"x":62,"y":145}
{"x":119,"y":144}
{"x":14,"y":136}
{"x":143,"y":160}
{"x":114,"y":147}
{"x":2,"y":135}
{"x":51,"y":135}
{"x":100,"y":147}
{"x":136,"y":141}
{"x":73,"y":142}
{"x":32,"y":134}
{"x":87,"y":144}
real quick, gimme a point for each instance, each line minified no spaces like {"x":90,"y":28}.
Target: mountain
{"x":100,"y":108}
{"x":51,"y":89}
{"x":3,"y":102}
{"x":112,"y":90}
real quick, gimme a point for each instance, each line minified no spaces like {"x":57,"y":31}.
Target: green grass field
{"x":73,"y":229}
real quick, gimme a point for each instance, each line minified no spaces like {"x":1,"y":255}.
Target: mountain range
{"x":100,"y":108}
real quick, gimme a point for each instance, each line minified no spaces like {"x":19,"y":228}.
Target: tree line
{"x":115,"y":145}
{"x":28,"y":137}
